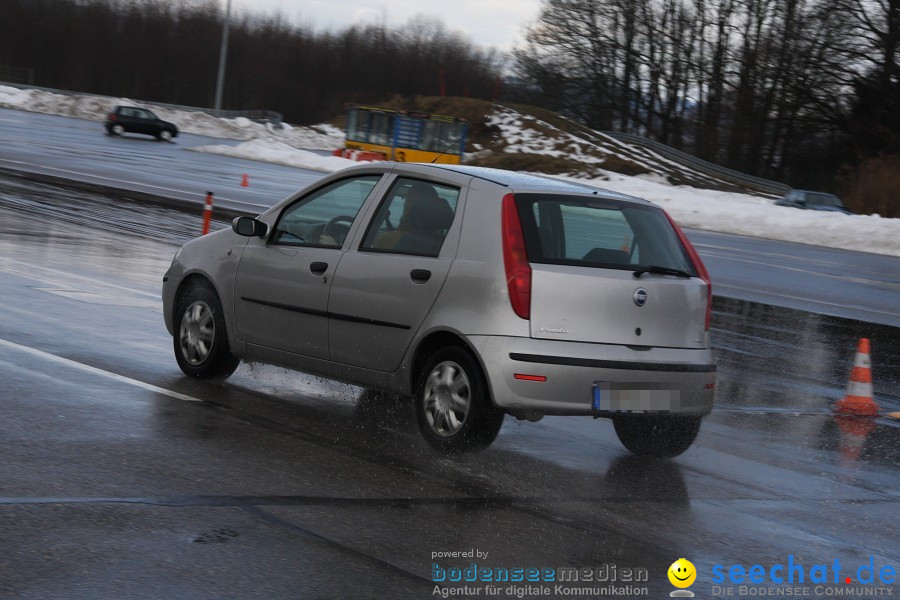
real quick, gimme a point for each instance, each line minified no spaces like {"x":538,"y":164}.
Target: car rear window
{"x":589,"y":232}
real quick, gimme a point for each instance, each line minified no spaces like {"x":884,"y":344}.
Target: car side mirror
{"x":249,"y":227}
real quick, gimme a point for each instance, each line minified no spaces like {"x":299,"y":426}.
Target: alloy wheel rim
{"x":447,"y":398}
{"x":196,"y":333}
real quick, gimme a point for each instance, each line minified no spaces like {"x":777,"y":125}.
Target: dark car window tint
{"x":323,"y":218}
{"x":823,"y":199}
{"x":598,"y":233}
{"x":414,"y":218}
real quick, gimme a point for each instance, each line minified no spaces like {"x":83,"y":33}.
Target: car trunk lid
{"x":611,"y":271}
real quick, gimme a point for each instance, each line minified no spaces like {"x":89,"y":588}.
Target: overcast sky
{"x":489,"y":23}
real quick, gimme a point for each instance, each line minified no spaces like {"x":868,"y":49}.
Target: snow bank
{"x":319,"y":137}
{"x":280,"y":153}
{"x":742,"y":214}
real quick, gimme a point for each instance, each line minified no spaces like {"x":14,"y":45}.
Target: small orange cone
{"x":207,"y":212}
{"x":858,"y":400}
{"x":245,"y":181}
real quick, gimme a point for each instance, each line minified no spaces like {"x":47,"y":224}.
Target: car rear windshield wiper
{"x":660,"y":270}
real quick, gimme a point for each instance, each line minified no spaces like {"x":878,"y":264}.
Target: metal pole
{"x":223,"y":51}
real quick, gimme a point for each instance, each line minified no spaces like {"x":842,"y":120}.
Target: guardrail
{"x":261,"y":116}
{"x":698,"y":164}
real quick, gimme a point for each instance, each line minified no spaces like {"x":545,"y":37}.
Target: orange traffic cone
{"x":245,"y":181}
{"x":858,"y":400}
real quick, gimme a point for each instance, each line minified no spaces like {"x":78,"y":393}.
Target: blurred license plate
{"x":611,"y":396}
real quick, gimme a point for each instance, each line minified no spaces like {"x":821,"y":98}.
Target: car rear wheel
{"x":656,"y":435}
{"x":453,"y":406}
{"x":117,"y":129}
{"x":165,"y":135}
{"x":200,"y":340}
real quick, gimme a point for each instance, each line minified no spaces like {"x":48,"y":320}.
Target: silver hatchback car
{"x":475,"y":292}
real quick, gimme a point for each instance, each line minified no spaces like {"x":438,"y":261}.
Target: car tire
{"x":453,"y":405}
{"x":656,"y":435}
{"x":200,"y":340}
{"x":164,"y":136}
{"x":117,"y":130}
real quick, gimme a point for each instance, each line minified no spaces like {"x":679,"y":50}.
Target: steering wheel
{"x":284,"y":234}
{"x":335,"y":232}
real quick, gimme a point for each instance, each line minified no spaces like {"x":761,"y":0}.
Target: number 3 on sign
{"x":401,"y":156}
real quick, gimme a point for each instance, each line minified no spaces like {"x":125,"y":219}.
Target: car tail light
{"x":515,"y":259}
{"x":111,"y":117}
{"x":698,"y":266}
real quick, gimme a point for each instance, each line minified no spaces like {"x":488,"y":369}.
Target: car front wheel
{"x":453,"y":405}
{"x":200,"y":340}
{"x":165,"y":135}
{"x":656,"y":435}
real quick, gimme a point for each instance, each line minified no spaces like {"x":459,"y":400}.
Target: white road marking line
{"x":861,"y":280}
{"x":789,"y":297}
{"x":95,"y":370}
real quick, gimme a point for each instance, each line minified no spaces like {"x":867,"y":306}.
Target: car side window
{"x":323,"y":218}
{"x":414,"y":218}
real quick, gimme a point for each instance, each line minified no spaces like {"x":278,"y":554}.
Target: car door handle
{"x":420,"y":275}
{"x":318,"y":268}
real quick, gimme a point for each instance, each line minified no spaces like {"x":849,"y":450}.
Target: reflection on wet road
{"x":280,"y":485}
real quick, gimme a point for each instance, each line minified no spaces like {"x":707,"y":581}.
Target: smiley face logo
{"x":682,"y":573}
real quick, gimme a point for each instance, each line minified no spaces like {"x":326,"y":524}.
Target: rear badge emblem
{"x":640,"y":296}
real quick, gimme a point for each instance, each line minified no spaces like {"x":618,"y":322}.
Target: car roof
{"x":815,"y":192}
{"x":522,"y":182}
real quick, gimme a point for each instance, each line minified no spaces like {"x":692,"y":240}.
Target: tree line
{"x":168,"y":51}
{"x":802,"y":91}
{"x":788,"y":89}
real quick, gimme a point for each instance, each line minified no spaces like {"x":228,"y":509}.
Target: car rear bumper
{"x":546,"y":377}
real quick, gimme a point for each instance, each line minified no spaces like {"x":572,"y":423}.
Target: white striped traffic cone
{"x":859,"y":400}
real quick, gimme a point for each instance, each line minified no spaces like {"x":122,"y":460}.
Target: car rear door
{"x":587,"y":256}
{"x":384,"y":288}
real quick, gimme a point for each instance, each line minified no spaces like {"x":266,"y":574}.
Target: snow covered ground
{"x":742,"y":214}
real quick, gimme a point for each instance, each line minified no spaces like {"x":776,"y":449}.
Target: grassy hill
{"x":527,"y":138}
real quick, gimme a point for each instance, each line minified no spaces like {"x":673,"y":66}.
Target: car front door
{"x":128,"y":119}
{"x":144,"y":122}
{"x":283,"y":281}
{"x":383,"y":290}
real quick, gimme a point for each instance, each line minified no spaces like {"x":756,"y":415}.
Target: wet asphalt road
{"x":80,"y":149}
{"x":840,"y":283}
{"x":123,"y":479}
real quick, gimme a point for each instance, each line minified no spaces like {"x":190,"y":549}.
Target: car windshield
{"x":823,"y":199}
{"x":593,"y":232}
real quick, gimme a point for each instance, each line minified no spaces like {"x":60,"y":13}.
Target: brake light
{"x":515,"y":259}
{"x":698,"y":266}
{"x":112,"y":116}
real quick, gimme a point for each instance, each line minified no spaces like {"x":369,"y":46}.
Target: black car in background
{"x":813,"y":201}
{"x":132,"y":119}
